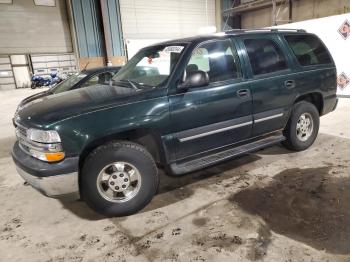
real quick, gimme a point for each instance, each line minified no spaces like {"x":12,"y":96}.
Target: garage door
{"x":165,"y":19}
{"x":44,"y":64}
{"x":6,"y":74}
{"x":27,"y":28}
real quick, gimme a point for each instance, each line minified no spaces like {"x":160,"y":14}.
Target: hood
{"x":44,"y":109}
{"x":33,"y":97}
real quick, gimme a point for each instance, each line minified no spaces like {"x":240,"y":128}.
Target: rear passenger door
{"x":272,"y":82}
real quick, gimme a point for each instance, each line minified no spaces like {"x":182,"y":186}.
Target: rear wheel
{"x":302,"y":127}
{"x":119,"y":179}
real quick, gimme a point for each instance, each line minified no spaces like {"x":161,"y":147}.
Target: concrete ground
{"x":273,"y":205}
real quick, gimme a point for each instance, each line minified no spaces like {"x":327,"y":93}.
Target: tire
{"x":298,"y":141}
{"x":33,"y":85}
{"x":129,"y":157}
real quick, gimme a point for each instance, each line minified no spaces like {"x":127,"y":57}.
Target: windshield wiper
{"x":133,"y":84}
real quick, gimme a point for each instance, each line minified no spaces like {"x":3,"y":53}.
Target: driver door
{"x":216,"y":115}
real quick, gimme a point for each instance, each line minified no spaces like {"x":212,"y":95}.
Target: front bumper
{"x":57,"y":180}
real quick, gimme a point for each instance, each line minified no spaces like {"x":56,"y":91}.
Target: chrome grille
{"x":21,"y":131}
{"x":21,"y":134}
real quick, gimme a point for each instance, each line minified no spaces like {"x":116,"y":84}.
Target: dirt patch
{"x":218,"y":240}
{"x":311,"y":205}
{"x":257,"y":247}
{"x":201,"y":221}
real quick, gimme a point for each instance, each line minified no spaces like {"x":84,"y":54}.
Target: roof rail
{"x":264,"y":30}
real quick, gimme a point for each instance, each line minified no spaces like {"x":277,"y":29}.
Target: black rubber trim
{"x":40,"y":168}
{"x":269,"y":113}
{"x":212,"y":127}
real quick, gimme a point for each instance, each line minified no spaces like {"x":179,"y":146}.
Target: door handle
{"x":243,"y":92}
{"x":289,"y":84}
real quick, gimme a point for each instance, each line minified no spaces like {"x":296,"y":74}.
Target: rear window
{"x":308,"y":49}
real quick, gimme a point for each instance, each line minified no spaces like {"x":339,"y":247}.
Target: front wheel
{"x":302,"y":127}
{"x":119,"y":179}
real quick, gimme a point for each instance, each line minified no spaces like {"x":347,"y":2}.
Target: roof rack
{"x":264,"y":30}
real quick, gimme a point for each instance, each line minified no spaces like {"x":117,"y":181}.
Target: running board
{"x":209,"y":160}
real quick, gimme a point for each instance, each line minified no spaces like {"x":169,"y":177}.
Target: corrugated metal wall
{"x":26,"y":28}
{"x":88,"y":27}
{"x":115,"y":28}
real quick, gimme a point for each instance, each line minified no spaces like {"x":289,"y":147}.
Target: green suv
{"x":181,"y":105}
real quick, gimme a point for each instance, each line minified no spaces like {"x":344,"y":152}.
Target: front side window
{"x":150,"y":67}
{"x":265,"y":56}
{"x":308,"y":49}
{"x":217,"y":58}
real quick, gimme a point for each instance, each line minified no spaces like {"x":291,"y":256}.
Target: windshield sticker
{"x":173,"y":49}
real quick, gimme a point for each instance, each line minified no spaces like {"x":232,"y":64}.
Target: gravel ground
{"x":273,"y":205}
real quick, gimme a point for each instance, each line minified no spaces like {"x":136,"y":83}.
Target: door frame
{"x":211,"y":128}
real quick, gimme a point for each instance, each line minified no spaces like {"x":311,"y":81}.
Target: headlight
{"x":43,"y":136}
{"x":44,"y":145}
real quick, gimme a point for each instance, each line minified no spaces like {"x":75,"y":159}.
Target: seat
{"x":191,"y":68}
{"x":267,"y":62}
{"x":305,"y":60}
{"x":222,"y":68}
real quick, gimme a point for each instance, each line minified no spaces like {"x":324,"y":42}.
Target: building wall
{"x":26,"y":28}
{"x":302,"y":10}
{"x":308,"y":9}
{"x":165,"y":19}
{"x":260,"y":18}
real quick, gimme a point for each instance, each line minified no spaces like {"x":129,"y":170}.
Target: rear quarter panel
{"x":321,"y":79}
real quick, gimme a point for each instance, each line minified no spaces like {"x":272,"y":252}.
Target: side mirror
{"x":195,"y":78}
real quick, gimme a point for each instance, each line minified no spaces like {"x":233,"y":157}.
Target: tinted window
{"x":308,"y":49}
{"x":265,"y":56}
{"x":217,"y":58}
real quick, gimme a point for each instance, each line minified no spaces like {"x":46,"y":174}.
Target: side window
{"x":265,"y":56}
{"x":99,"y":79}
{"x":308,"y":49}
{"x":217,"y":58}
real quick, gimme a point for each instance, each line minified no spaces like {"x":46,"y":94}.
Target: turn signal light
{"x":54,"y":157}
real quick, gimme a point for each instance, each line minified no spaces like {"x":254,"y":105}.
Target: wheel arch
{"x":145,"y":137}
{"x":315,"y":98}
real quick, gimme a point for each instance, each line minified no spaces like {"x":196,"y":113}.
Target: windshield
{"x":68,"y":83}
{"x":150,"y":67}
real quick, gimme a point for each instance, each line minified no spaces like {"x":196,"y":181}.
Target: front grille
{"x":21,"y":130}
{"x":21,"y":134}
